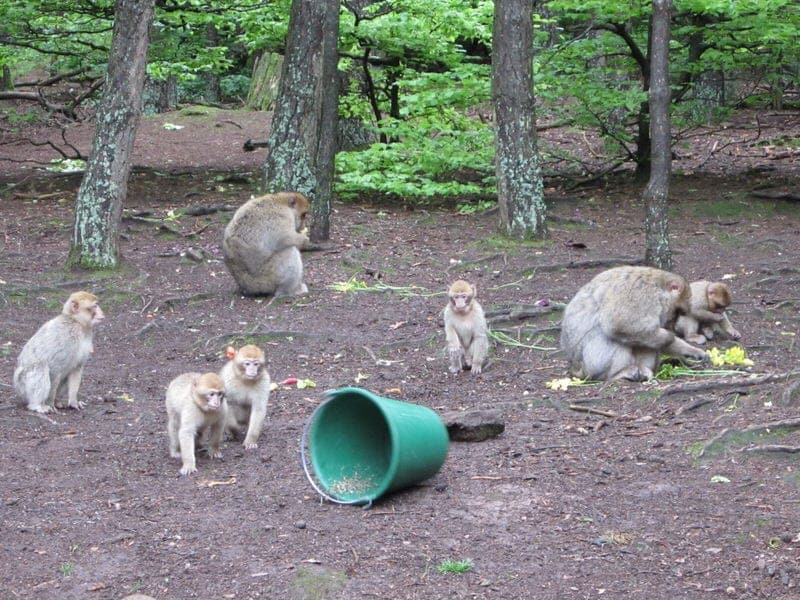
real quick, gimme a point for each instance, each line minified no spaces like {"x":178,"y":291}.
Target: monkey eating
{"x":261,"y":245}
{"x":195,"y":405}
{"x":616,"y":326}
{"x":247,"y":391}
{"x":707,"y":314}
{"x":56,"y":355}
{"x":465,"y":329}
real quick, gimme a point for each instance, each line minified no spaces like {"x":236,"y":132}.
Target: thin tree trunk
{"x":7,"y":82}
{"x":301,"y":141}
{"x":657,"y":250}
{"x":95,"y":242}
{"x":519,"y":182}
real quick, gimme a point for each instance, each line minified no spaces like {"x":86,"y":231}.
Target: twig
{"x":175,"y":300}
{"x":591,"y":263}
{"x":518,"y":312}
{"x":593,"y":411}
{"x":689,"y":388}
{"x":692,"y":405}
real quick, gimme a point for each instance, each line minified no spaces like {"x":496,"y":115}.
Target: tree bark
{"x":657,"y":250}
{"x":302,"y":139}
{"x":265,"y":81}
{"x":520,"y":192}
{"x":95,"y":241}
{"x":7,"y":81}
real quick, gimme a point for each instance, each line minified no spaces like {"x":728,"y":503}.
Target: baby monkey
{"x":247,"y":389}
{"x":195,"y":404}
{"x":707,"y":313}
{"x":465,"y":329}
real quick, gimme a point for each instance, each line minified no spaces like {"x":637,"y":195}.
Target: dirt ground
{"x":563,"y":504}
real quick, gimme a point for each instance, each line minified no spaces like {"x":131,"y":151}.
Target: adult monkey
{"x":261,"y":245}
{"x":616,"y":326}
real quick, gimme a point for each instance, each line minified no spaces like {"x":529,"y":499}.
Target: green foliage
{"x":454,"y":566}
{"x":234,"y":86}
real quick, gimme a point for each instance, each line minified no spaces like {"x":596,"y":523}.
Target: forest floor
{"x":563,"y":504}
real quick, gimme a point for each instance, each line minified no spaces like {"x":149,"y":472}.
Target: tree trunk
{"x":657,"y":251}
{"x":265,"y":81}
{"x":7,"y":81}
{"x":520,"y":193}
{"x":212,"y":92}
{"x":302,"y":139}
{"x":95,"y":242}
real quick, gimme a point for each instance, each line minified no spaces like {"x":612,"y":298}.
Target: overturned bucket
{"x":363,"y":446}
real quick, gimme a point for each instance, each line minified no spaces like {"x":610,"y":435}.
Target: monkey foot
{"x":188,"y":470}
{"x":43,"y":410}
{"x":216,"y":454}
{"x":79,"y":405}
{"x":250,"y":445}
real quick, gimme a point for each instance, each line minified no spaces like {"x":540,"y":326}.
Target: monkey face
{"x":461,"y":302}
{"x":97,"y":314}
{"x":719,"y":297}
{"x":214,"y":399}
{"x":250,"y":368}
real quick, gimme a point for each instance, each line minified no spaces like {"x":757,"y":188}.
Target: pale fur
{"x":701,"y":324}
{"x":247,"y":399}
{"x":466,"y":331}
{"x":186,"y":420}
{"x":55,"y":356}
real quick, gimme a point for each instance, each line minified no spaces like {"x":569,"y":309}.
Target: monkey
{"x":247,"y":385}
{"x":465,"y":329}
{"x":261,"y":245}
{"x":706,"y":313}
{"x":195,"y":404}
{"x":616,"y":326}
{"x":56,"y":354}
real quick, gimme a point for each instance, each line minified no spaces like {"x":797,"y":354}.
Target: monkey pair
{"x":210,"y":404}
{"x":618,"y":324}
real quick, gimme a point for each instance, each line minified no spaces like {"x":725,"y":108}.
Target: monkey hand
{"x":188,"y":469}
{"x":215,"y":453}
{"x":456,"y":356}
{"x":476,"y":369}
{"x":78,"y":405}
{"x":697,"y":354}
{"x":250,"y":445}
{"x":734,"y":334}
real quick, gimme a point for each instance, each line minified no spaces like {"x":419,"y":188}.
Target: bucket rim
{"x":382,"y":487}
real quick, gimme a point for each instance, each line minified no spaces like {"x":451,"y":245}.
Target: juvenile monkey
{"x":247,"y":391}
{"x":56,"y":354}
{"x":706,"y":313}
{"x":465,"y":329}
{"x":616,"y":326}
{"x":261,"y":245}
{"x":195,"y":403}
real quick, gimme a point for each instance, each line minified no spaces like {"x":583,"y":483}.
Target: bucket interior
{"x":351,"y":447}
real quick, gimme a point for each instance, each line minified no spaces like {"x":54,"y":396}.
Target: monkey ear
{"x":292,"y":201}
{"x":230,"y":352}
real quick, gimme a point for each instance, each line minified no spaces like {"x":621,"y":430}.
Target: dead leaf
{"x":397,"y":325}
{"x":97,"y":587}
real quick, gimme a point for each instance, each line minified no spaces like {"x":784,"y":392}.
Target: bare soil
{"x":563,"y":504}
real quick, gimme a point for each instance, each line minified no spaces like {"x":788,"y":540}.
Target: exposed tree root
{"x":773,"y":448}
{"x":790,"y":424}
{"x":724,"y":384}
{"x":591,"y":263}
{"x":517,"y":312}
{"x":593,"y":411}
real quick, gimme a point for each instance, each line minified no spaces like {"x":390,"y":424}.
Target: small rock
{"x":138,"y":597}
{"x":195,"y":254}
{"x":473,"y":425}
{"x":771,"y":571}
{"x":300,"y":524}
{"x":784,"y":577}
{"x":730,"y":590}
{"x":787,"y":538}
{"x":440,"y":487}
{"x":761,"y":564}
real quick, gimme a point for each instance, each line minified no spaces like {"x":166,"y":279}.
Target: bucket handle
{"x":367,"y":502}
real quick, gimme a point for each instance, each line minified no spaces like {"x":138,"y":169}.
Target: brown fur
{"x":261,"y":245}
{"x":618,"y":323}
{"x":247,"y":386}
{"x":707,"y":315}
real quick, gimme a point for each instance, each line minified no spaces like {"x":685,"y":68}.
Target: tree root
{"x":591,"y":263}
{"x":593,"y":411}
{"x":517,"y":312}
{"x":723,"y":384}
{"x":773,"y":448}
{"x":790,"y":424}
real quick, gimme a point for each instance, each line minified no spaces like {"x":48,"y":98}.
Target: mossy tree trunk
{"x":657,"y":250}
{"x":265,"y":81}
{"x":520,"y":193}
{"x":95,"y":241}
{"x":302,"y":138}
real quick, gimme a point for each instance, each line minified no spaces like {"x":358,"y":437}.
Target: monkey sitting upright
{"x":261,"y":245}
{"x":616,"y":326}
{"x":56,"y":354}
{"x":706,"y":313}
{"x":465,"y":329}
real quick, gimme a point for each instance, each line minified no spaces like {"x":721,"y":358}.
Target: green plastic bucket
{"x":363,"y":446}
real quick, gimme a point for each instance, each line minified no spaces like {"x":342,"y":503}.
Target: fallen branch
{"x":591,"y":263}
{"x":693,"y":405}
{"x":518,"y":312}
{"x":176,"y":300}
{"x":199,"y":211}
{"x":593,"y":411}
{"x":705,"y":386}
{"x":790,"y":424}
{"x":775,"y":195}
{"x":773,"y":448}
{"x":787,"y":398}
